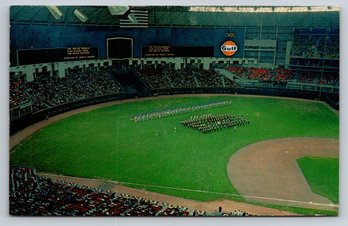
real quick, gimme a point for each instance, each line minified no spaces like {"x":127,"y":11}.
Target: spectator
{"x":48,"y":91}
{"x":32,"y":195}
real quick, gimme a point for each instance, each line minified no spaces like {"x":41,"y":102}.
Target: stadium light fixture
{"x":80,"y":15}
{"x":118,"y":10}
{"x":56,"y":13}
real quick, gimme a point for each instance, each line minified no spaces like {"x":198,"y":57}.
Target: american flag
{"x":137,"y":18}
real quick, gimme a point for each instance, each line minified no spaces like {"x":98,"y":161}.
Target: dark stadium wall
{"x":45,"y":36}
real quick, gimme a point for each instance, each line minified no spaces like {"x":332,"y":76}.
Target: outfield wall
{"x":31,"y":118}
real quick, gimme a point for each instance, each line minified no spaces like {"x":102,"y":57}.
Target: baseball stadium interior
{"x":66,"y":58}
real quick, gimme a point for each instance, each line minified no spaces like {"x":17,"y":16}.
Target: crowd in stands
{"x":181,"y":78}
{"x":306,"y":77}
{"x":208,"y":78}
{"x":48,"y":91}
{"x":330,"y":79}
{"x":153,"y":77}
{"x":240,"y":71}
{"x":261,"y":74}
{"x":33,"y":195}
{"x":281,"y":74}
{"x":316,"y":46}
{"x":316,"y":77}
{"x":18,"y":93}
{"x":230,"y":83}
{"x":77,"y":85}
{"x":163,"y":77}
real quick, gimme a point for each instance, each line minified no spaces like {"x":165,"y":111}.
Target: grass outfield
{"x":104,"y":143}
{"x":322,"y":175}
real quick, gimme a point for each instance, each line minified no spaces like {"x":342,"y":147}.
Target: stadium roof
{"x":178,"y":16}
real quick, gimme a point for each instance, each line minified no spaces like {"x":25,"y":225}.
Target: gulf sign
{"x":229,"y":48}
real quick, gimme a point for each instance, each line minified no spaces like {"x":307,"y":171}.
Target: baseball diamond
{"x":168,"y":162}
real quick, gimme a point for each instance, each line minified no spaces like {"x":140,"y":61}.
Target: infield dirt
{"x":267,"y":171}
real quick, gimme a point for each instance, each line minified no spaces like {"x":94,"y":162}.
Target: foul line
{"x":222,"y":193}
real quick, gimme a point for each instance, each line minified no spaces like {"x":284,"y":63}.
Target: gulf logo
{"x":229,"y":48}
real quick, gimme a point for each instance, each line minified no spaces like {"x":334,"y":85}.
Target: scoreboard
{"x":119,"y":48}
{"x":177,"y":51}
{"x":36,"y":56}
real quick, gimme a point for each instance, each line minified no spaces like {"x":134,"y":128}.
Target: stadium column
{"x":30,"y":73}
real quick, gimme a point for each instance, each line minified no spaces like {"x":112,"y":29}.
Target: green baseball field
{"x":104,"y":143}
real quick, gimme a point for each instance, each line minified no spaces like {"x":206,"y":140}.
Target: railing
{"x":20,"y":110}
{"x":330,"y":98}
{"x":22,"y":121}
{"x":246,"y":83}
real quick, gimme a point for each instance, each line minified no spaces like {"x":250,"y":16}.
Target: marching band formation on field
{"x":211,"y":123}
{"x":175,"y":111}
